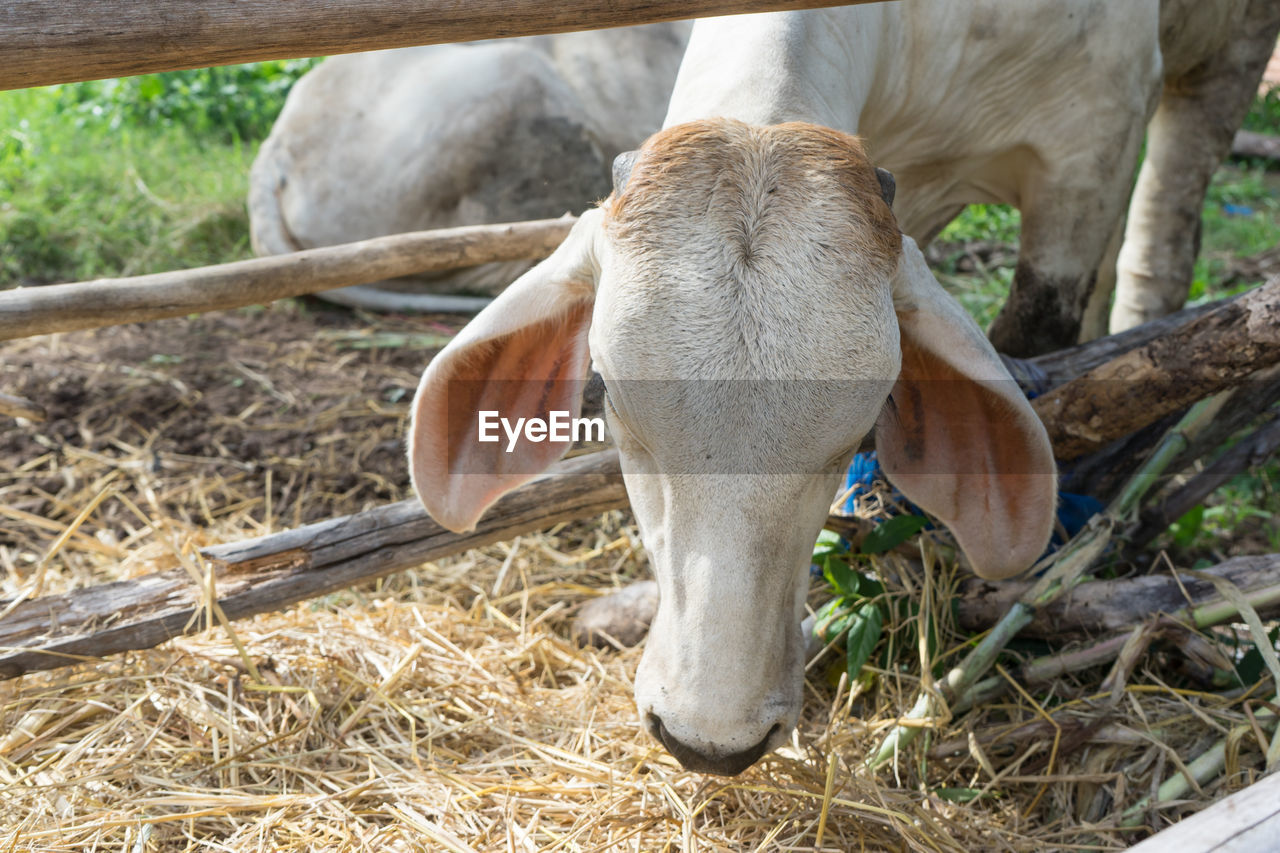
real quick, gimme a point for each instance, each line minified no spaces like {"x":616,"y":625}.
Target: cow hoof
{"x":619,"y":620}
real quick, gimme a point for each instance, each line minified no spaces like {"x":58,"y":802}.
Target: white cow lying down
{"x":747,"y":297}
{"x":459,"y":134}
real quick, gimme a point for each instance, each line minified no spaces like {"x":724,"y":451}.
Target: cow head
{"x":754,"y":312}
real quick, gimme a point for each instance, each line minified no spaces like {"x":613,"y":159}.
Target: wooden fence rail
{"x":272,"y":572}
{"x":62,"y":41}
{"x":30,"y":311}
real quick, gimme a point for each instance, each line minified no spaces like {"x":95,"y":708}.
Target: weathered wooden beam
{"x":61,"y":41}
{"x":1248,"y":821}
{"x":1199,"y":358}
{"x":1067,"y":364}
{"x":1103,"y":606}
{"x":30,"y":311}
{"x":270,"y":573}
{"x":1101,"y":473}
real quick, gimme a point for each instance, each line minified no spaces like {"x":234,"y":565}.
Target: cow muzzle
{"x":720,"y":764}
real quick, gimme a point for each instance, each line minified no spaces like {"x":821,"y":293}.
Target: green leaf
{"x":828,"y":543}
{"x":1186,"y":528}
{"x":864,"y":634}
{"x":869,"y":587}
{"x":892,"y":533}
{"x":842,"y":578}
{"x":1250,"y":667}
{"x":832,"y":618}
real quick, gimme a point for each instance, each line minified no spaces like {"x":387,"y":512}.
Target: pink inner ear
{"x":528,"y":373}
{"x":973,"y":454}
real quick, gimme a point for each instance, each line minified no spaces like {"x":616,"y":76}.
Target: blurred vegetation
{"x":135,"y":175}
{"x":1264,"y":115}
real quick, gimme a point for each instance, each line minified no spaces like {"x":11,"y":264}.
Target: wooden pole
{"x":272,"y":572}
{"x":62,"y":41}
{"x":30,"y":311}
{"x":1250,"y":144}
{"x":1100,"y":607}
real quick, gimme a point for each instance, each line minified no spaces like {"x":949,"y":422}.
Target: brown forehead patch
{"x":694,"y":170}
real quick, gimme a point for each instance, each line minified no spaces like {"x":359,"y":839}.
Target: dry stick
{"x":258,"y":576}
{"x":1258,"y":577}
{"x":1103,"y":606}
{"x":1202,"y":357}
{"x":1061,"y":571}
{"x":63,"y":41}
{"x":20,"y":407}
{"x":30,"y":311}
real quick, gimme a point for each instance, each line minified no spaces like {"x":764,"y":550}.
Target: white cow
{"x":754,"y":311}
{"x":750,"y":303}
{"x":745,"y":250}
{"x":446,"y":135}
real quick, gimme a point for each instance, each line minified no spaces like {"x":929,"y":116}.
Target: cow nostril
{"x":691,"y":759}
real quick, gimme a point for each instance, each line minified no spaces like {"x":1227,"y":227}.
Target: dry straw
{"x":444,"y":708}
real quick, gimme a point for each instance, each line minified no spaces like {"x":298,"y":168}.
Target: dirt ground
{"x":295,"y":411}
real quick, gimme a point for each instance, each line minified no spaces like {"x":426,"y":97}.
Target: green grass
{"x":982,"y":291}
{"x":1241,"y":217}
{"x":125,"y":177}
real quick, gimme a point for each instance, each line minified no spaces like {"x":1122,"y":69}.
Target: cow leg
{"x":1094,"y":323}
{"x":1189,"y":136}
{"x":1067,"y":221}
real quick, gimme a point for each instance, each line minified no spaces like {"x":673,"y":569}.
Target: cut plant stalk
{"x":1205,"y":767}
{"x":1059,"y":572}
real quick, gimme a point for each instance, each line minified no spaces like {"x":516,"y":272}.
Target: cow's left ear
{"x":957,"y":436}
{"x":524,"y":356}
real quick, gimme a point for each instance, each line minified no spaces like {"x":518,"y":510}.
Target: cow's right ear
{"x":523,"y":356}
